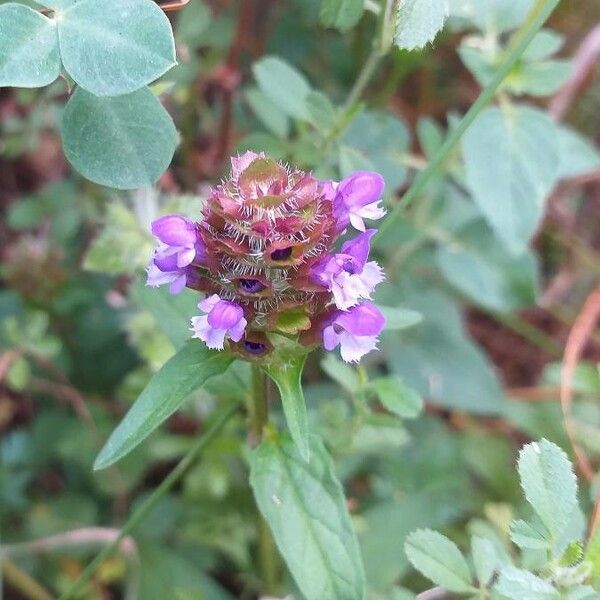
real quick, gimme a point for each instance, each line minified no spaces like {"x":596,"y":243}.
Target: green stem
{"x":536,"y":19}
{"x":22,"y":582}
{"x":153,"y":500}
{"x":259,"y":417}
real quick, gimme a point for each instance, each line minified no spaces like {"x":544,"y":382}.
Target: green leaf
{"x":341,"y":14}
{"x":397,"y":318}
{"x":341,"y":372}
{"x":183,"y":374}
{"x":321,"y":110}
{"x":511,"y":159}
{"x":518,"y":584}
{"x":268,"y":113}
{"x":171,"y":313}
{"x":543,"y":45}
{"x":286,"y":372}
{"x":577,"y":154}
{"x":304,"y":505}
{"x":486,"y":559}
{"x":376,"y":141}
{"x":419,"y":21}
{"x":477,"y":264}
{"x":492,"y":16}
{"x":397,"y":397}
{"x":55,"y":4}
{"x":592,"y":555}
{"x":28,"y":47}
{"x":439,"y":559}
{"x":283,"y":85}
{"x":582,"y":592}
{"x":526,"y":535}
{"x":549,"y":484}
{"x":123,"y":142}
{"x":122,"y":246}
{"x":115,"y":47}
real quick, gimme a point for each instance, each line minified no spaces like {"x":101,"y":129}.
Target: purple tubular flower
{"x":223,"y":318}
{"x":358,"y":197}
{"x":348,"y":275}
{"x":356,"y":331}
{"x":179,"y":246}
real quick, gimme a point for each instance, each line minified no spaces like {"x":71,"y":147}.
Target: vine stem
{"x":539,"y":14}
{"x":153,"y":500}
{"x":259,"y":417}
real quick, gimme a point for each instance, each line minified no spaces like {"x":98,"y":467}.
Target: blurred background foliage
{"x":80,"y":335}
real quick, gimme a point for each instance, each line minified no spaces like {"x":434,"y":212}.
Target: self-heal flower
{"x":356,"y":331}
{"x":179,"y":246}
{"x":358,"y":197}
{"x":348,"y":275}
{"x":223,"y":318}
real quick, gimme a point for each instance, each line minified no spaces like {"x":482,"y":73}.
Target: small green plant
{"x":553,"y":561}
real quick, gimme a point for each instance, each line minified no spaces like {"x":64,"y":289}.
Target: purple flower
{"x":358,"y":197}
{"x":355,"y":330}
{"x":223,"y":318}
{"x":179,"y":246}
{"x":348,"y":275}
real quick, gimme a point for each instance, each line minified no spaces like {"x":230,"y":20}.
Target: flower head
{"x":223,"y":319}
{"x":356,"y":331}
{"x":264,"y":254}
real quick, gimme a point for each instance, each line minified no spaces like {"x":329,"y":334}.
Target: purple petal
{"x":157,"y":277}
{"x":175,"y":230}
{"x":356,"y":222}
{"x":225,"y":315}
{"x":353,"y":348}
{"x":185,"y":257}
{"x":358,"y":248}
{"x":361,"y":188}
{"x":237,"y":331}
{"x":178,"y":284}
{"x":330,"y":338}
{"x":365,"y":319}
{"x":213,"y":338}
{"x":328,"y":189}
{"x":166,"y":262}
{"x":209,"y":303}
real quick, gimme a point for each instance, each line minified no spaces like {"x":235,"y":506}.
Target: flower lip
{"x":281,"y":253}
{"x":254,"y":347}
{"x":175,"y":230}
{"x":251,"y":286}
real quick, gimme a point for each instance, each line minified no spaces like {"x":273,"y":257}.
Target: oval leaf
{"x":183,"y":374}
{"x":419,"y":21}
{"x":28,"y":47}
{"x":115,"y":47}
{"x":124,"y":142}
{"x":287,"y":375}
{"x":439,"y":559}
{"x":304,"y":505}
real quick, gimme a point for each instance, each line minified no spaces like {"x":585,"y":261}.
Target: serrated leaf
{"x":29,"y":54}
{"x":397,"y":397}
{"x":115,"y":47}
{"x":518,"y":584}
{"x":549,"y":484}
{"x":528,"y":536}
{"x":486,"y":559}
{"x":341,"y":14}
{"x":124,"y":142}
{"x":419,"y":21}
{"x":511,"y":160}
{"x":287,"y":374}
{"x":439,"y":559}
{"x":181,"y":375}
{"x":304,"y":505}
{"x":283,"y":85}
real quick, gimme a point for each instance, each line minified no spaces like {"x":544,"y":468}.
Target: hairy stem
{"x":153,"y":500}
{"x":539,"y":14}
{"x":259,"y":417}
